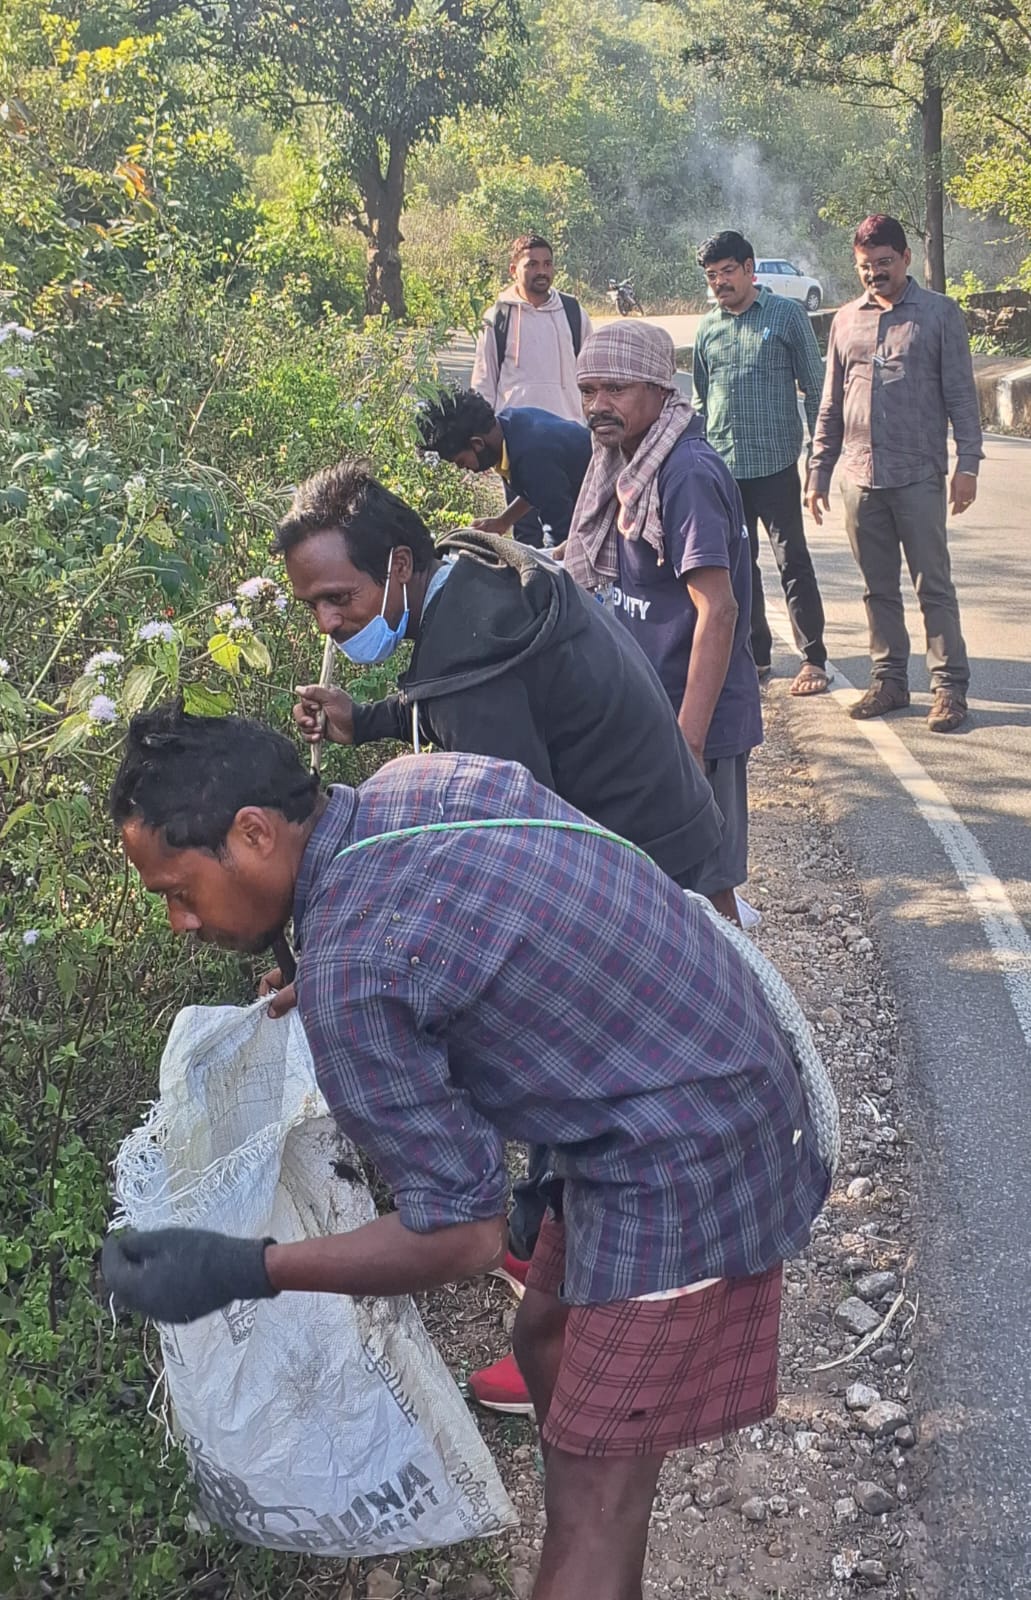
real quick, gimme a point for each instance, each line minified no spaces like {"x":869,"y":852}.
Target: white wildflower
{"x":14,"y":372}
{"x":135,"y":491}
{"x":156,"y":630}
{"x":431,"y":459}
{"x":225,"y":613}
{"x":254,"y":588}
{"x":30,"y":936}
{"x":241,"y":625}
{"x":26,"y":335}
{"x":14,"y":330}
{"x":280,"y":602}
{"x":96,"y":664}
{"x":5,"y":666}
{"x":102,"y":709}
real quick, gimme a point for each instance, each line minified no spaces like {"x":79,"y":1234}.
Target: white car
{"x":782,"y":278}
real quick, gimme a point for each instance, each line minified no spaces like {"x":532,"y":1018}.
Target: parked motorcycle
{"x":624,"y":299}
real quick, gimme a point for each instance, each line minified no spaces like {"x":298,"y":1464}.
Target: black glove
{"x":180,"y":1274}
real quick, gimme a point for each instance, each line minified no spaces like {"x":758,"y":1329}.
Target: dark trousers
{"x":776,"y":502}
{"x":528,"y":529}
{"x":882,"y":526}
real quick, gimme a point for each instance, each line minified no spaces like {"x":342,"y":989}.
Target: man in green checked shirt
{"x":752,"y":354}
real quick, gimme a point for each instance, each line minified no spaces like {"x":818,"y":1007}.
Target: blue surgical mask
{"x":377,"y":641}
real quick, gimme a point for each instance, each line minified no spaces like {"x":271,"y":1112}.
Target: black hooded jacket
{"x":513,"y":660}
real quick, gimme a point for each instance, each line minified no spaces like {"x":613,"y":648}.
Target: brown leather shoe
{"x":948,"y":710}
{"x":882,"y":696}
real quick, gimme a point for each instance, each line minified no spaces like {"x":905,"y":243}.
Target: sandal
{"x":881,"y":697}
{"x":948,"y":710}
{"x":811,"y":680}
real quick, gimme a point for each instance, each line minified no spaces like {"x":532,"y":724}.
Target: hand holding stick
{"x":280,"y":948}
{"x":325,"y":679}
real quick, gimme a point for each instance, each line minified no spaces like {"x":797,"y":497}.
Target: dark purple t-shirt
{"x":703,"y":525}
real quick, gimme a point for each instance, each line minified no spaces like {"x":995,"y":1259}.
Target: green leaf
{"x":13,"y":498}
{"x":82,"y":691}
{"x":159,"y":533}
{"x":167,"y":658}
{"x":139,"y":682}
{"x":11,"y":701}
{"x":200,"y":701}
{"x":225,"y":652}
{"x":66,"y":977}
{"x":27,"y":809}
{"x":71,"y":732}
{"x":255,"y":652}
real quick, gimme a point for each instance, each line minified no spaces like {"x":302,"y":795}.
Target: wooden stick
{"x":325,"y":679}
{"x":285,"y":958}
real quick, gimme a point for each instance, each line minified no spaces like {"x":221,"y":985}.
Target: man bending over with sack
{"x":480,"y":963}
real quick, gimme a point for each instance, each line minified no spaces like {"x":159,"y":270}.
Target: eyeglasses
{"x":717,"y":275}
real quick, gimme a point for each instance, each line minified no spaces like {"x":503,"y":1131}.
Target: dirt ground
{"x":821,"y":1502}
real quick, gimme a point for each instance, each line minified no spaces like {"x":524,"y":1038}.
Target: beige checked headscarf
{"x":620,"y":497}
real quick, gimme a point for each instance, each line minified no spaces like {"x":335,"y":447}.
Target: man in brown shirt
{"x":898,"y":372}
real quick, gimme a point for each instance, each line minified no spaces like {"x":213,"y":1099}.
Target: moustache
{"x":605,"y":422}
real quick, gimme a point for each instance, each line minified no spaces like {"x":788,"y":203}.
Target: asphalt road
{"x":938,"y":827}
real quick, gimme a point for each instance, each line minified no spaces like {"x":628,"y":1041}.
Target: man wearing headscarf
{"x":660,"y":519}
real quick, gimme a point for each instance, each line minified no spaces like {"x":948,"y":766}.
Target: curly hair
{"x":447,"y":424}
{"x":372,"y":521}
{"x":187,"y":777}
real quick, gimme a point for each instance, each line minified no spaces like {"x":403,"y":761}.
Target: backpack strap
{"x":571,"y":307}
{"x":503,"y":315}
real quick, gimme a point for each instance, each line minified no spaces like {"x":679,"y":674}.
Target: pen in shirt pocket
{"x":766,"y":334}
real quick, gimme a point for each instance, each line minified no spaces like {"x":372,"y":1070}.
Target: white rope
{"x":821,"y":1101}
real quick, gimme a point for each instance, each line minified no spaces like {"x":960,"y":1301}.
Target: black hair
{"x":880,"y":230}
{"x":726,"y":246}
{"x":525,"y":243}
{"x":373,"y":522}
{"x":187,"y":777}
{"x":456,"y":416}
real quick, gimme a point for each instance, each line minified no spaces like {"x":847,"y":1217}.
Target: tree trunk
{"x":384,"y":199}
{"x":934,"y":182}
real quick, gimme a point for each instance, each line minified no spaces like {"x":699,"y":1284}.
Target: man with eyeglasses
{"x":753,"y":353}
{"x":898,"y":373}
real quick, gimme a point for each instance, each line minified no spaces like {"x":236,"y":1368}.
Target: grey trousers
{"x":882,"y":525}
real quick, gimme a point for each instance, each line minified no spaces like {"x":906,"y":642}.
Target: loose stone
{"x":855,"y":1316}
{"x":860,"y":1396}
{"x":872,"y":1285}
{"x":875,"y":1500}
{"x":883,"y":1419}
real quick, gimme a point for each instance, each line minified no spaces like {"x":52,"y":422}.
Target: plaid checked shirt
{"x":464,"y":988}
{"x":747,"y":373}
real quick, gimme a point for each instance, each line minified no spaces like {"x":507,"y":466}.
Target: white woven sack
{"x":821,"y":1101}
{"x":312,"y":1422}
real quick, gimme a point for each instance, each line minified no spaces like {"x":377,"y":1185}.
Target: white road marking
{"x":1004,"y":932}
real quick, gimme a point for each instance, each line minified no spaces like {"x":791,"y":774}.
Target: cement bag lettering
{"x":316,"y":1423}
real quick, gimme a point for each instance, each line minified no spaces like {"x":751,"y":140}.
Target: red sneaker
{"x":513,"y":1272}
{"x":501,"y":1388}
